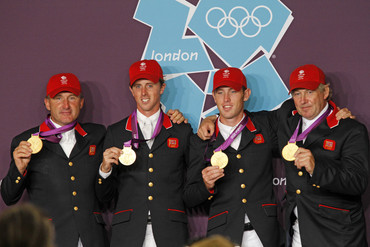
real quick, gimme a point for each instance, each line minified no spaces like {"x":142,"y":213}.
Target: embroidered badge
{"x":329,"y":145}
{"x":92,"y":150}
{"x":173,"y":142}
{"x":258,"y":139}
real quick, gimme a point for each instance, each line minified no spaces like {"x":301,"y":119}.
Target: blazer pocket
{"x":217,"y":220}
{"x":177,"y":215}
{"x":270,"y":209}
{"x":99,"y":218}
{"x":338,"y":214}
{"x":121,"y":216}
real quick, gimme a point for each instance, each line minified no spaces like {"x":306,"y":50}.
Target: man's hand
{"x":304,"y":158}
{"x":344,"y":113}
{"x":210,"y":175}
{"x":176,"y":116}
{"x":110,"y":157}
{"x":207,"y":128}
{"x":22,"y":156}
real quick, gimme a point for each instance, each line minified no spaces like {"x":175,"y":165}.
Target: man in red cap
{"x":326,"y":163}
{"x":57,"y":164}
{"x":146,"y":178}
{"x":233,"y":172}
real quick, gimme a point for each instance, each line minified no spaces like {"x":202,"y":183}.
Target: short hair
{"x":25,"y":225}
{"x":213,"y":241}
{"x":321,"y":87}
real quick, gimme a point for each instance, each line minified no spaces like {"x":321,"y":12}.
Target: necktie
{"x":148,"y":132}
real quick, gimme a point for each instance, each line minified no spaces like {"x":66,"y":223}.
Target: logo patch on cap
{"x":301,"y":75}
{"x":258,"y":139}
{"x":329,"y":145}
{"x":226,"y":74}
{"x":143,"y":66}
{"x":64,"y":80}
{"x":173,"y":142}
{"x":92,"y":150}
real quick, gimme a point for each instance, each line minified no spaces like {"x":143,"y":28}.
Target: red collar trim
{"x":166,"y":122}
{"x":250,"y":126}
{"x":332,"y":119}
{"x":43,"y":127}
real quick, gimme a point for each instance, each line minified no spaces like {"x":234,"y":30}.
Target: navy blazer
{"x":329,"y":203}
{"x":246,"y":187}
{"x":153,"y":182}
{"x":63,"y":187}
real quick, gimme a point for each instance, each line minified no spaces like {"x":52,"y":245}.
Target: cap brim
{"x":305,"y":85}
{"x":227,"y":84}
{"x":64,"y":89}
{"x":149,"y":77}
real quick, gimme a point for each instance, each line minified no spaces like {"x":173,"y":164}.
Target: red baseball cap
{"x":63,"y":82}
{"x":308,"y":76}
{"x":229,"y":77}
{"x":145,"y":69}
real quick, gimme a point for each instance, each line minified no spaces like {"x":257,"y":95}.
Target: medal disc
{"x":288,"y":151}
{"x":36,"y":144}
{"x":219,"y":159}
{"x":128,"y":156}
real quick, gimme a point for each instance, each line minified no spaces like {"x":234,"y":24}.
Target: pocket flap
{"x":121,"y":216}
{"x":217,"y":220}
{"x":338,"y":214}
{"x":99,"y":218}
{"x":177,"y":215}
{"x":270,"y":209}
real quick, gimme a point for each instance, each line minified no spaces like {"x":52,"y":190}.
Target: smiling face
{"x":230,"y":103}
{"x":309,"y":103}
{"x":147,"y":95}
{"x":64,"y":108}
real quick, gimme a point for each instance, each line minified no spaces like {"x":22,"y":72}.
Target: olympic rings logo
{"x":243,"y":23}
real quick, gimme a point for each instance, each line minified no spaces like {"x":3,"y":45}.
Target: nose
{"x":143,"y":91}
{"x":65,"y":104}
{"x":227,"y":97}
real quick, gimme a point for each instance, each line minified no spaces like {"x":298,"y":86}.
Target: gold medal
{"x":128,"y":156}
{"x":219,"y":159}
{"x":36,"y":143}
{"x":289,"y":150}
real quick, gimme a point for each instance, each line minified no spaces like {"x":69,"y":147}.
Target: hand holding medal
{"x":128,"y":156}
{"x":36,"y":143}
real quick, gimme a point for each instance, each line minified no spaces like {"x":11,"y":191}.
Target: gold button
{"x":74,"y":193}
{"x":318,"y":186}
{"x":16,"y":181}
{"x":19,"y":178}
{"x":241,"y":171}
{"x":75,"y":208}
{"x":244,"y":200}
{"x":298,"y":192}
{"x":242,"y":186}
{"x":300,"y":173}
{"x":238,"y":156}
{"x":100,"y":182}
{"x":70,"y":163}
{"x":314,"y":185}
{"x":150,"y":169}
{"x":210,"y":198}
{"x":73,"y":178}
{"x":150,"y":184}
{"x":150,"y":198}
{"x":150,"y":155}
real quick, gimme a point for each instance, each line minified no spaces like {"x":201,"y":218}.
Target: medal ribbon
{"x":233,"y":135}
{"x":295,"y":137}
{"x":135,"y":133}
{"x":54,"y":134}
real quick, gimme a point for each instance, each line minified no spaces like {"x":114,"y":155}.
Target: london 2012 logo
{"x":186,"y":38}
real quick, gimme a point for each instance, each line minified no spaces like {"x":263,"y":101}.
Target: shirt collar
{"x":307,"y":122}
